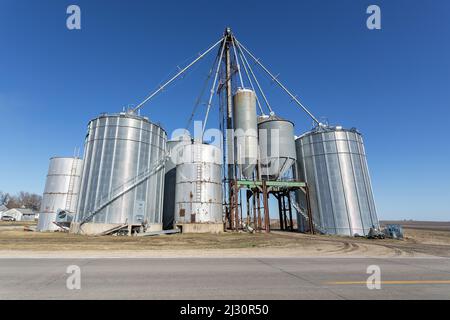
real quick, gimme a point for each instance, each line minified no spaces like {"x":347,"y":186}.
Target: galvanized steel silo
{"x":121,"y":149}
{"x":246,"y":131}
{"x":174,"y":148}
{"x":61,"y":191}
{"x":277,"y":146}
{"x":333,"y":162}
{"x":198,"y":196}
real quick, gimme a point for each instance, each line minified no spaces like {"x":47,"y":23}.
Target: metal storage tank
{"x":198,"y":195}
{"x":333,"y":162}
{"x":121,"y":149}
{"x":277,"y":146}
{"x":174,"y":148}
{"x":246,"y":131}
{"x":61,"y":191}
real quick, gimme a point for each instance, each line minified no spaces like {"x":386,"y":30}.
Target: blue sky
{"x":392,"y":84}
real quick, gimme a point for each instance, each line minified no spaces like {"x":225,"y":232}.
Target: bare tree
{"x":22,"y":199}
{"x":3,"y":198}
{"x":30,"y":200}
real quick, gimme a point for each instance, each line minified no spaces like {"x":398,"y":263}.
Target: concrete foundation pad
{"x":98,"y":228}
{"x":201,"y":227}
{"x":154,"y":227}
{"x":91,"y":228}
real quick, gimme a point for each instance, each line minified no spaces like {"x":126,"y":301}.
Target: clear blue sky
{"x":393,"y":84}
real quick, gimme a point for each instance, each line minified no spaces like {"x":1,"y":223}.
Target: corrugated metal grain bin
{"x":332,"y":160}
{"x":61,"y":191}
{"x":246,"y":131}
{"x":198,"y":197}
{"x":119,"y":149}
{"x":277,"y":146}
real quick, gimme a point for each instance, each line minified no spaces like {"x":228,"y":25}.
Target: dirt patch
{"x":417,"y":243}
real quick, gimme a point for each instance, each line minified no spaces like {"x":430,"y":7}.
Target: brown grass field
{"x":425,"y":239}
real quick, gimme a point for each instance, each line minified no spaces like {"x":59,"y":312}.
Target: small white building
{"x":19,"y":214}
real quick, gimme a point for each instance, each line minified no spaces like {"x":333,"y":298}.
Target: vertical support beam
{"x":266,"y":206}
{"x":231,"y":173}
{"x":283,"y":203}
{"x":290,"y":211}
{"x":229,"y":128}
{"x":229,"y":88}
{"x":280,"y":210}
{"x":236,"y":207}
{"x":308,"y":208}
{"x":248,"y":194}
{"x":257,"y":194}
{"x":240,"y":210}
{"x":231,"y":203}
{"x":255,"y":222}
{"x":258,"y":200}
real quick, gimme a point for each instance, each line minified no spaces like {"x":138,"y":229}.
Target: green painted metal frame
{"x":267,"y":187}
{"x":287,"y":184}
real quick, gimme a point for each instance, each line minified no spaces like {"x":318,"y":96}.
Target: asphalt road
{"x":225,"y":278}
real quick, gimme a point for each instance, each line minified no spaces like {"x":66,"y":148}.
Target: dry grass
{"x":21,"y":240}
{"x":423,"y":242}
{"x":428,"y":236}
{"x":4,"y":224}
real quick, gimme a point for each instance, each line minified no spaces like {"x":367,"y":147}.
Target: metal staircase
{"x":302,"y":211}
{"x":126,"y":187}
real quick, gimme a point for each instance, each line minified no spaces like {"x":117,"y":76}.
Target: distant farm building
{"x":19,"y":214}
